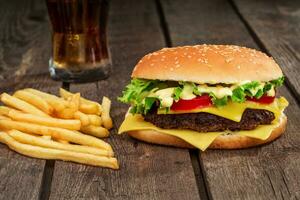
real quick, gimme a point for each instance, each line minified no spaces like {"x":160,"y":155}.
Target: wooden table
{"x":136,"y":28}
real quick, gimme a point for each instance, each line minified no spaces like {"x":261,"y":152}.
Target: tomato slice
{"x":263,"y":100}
{"x":197,"y":102}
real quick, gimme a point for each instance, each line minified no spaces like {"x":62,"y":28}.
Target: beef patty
{"x":205,"y":122}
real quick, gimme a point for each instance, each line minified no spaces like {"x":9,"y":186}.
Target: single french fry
{"x":67,"y":113}
{"x":3,"y":117}
{"x":86,"y":106}
{"x":34,"y":100}
{"x":46,"y":137}
{"x":95,"y":120}
{"x":91,"y":109}
{"x":106,"y":120}
{"x":75,"y":101}
{"x":57,"y":103}
{"x":84,"y":119}
{"x":96,"y":131}
{"x":62,"y":141}
{"x":48,"y":153}
{"x":4,"y":110}
{"x":37,"y":141}
{"x":71,"y":124}
{"x":56,"y":133}
{"x":21,"y":105}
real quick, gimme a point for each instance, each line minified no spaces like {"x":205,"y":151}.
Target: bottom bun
{"x":221,"y":142}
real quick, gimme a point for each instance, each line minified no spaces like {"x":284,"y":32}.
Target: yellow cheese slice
{"x":197,"y":139}
{"x":234,"y":111}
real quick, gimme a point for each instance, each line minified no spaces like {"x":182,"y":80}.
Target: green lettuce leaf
{"x":139,"y":92}
{"x":136,"y":92}
{"x":177,"y":93}
{"x":218,"y":102}
{"x":278,"y":82}
{"x":238,"y":95}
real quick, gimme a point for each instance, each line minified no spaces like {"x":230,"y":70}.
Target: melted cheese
{"x":197,"y":139}
{"x":234,"y":111}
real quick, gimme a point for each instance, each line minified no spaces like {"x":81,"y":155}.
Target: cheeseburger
{"x":205,"y":96}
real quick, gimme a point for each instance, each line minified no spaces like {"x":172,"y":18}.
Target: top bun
{"x":208,"y":64}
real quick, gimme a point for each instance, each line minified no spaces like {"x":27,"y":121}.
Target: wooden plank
{"x":24,"y":53}
{"x":276,"y":24}
{"x":268,"y":172}
{"x":146,"y":171}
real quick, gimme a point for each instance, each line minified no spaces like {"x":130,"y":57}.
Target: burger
{"x":205,"y":96}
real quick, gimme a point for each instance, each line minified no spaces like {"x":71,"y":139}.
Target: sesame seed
{"x":171,"y":68}
{"x":176,"y":58}
{"x":228,"y":60}
{"x":151,"y":64}
{"x":177,"y":62}
{"x":239,"y":67}
{"x":189,"y":56}
{"x":177,"y":65}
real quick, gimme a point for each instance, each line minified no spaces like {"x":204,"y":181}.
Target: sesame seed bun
{"x":208,"y":64}
{"x":221,"y":142}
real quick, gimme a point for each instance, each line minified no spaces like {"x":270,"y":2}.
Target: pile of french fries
{"x":69,"y":127}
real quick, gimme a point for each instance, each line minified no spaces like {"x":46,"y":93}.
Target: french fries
{"x":48,"y":153}
{"x":95,"y":120}
{"x":86,"y":106}
{"x":71,"y":124}
{"x":96,"y":131}
{"x":62,"y":141}
{"x":3,"y":117}
{"x":34,"y":100}
{"x":59,"y":133}
{"x":84,"y":119}
{"x":43,"y":142}
{"x":107,"y":121}
{"x":42,"y":125}
{"x":57,"y":103}
{"x":21,"y":105}
{"x":46,"y":137}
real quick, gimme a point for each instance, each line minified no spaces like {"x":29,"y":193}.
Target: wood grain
{"x":277,"y":25}
{"x":24,"y":53}
{"x":146,"y":171}
{"x":268,"y":172}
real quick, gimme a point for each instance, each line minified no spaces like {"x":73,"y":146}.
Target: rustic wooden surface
{"x":148,"y":171}
{"x":24,"y":54}
{"x":276,"y":27}
{"x":267,"y":172}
